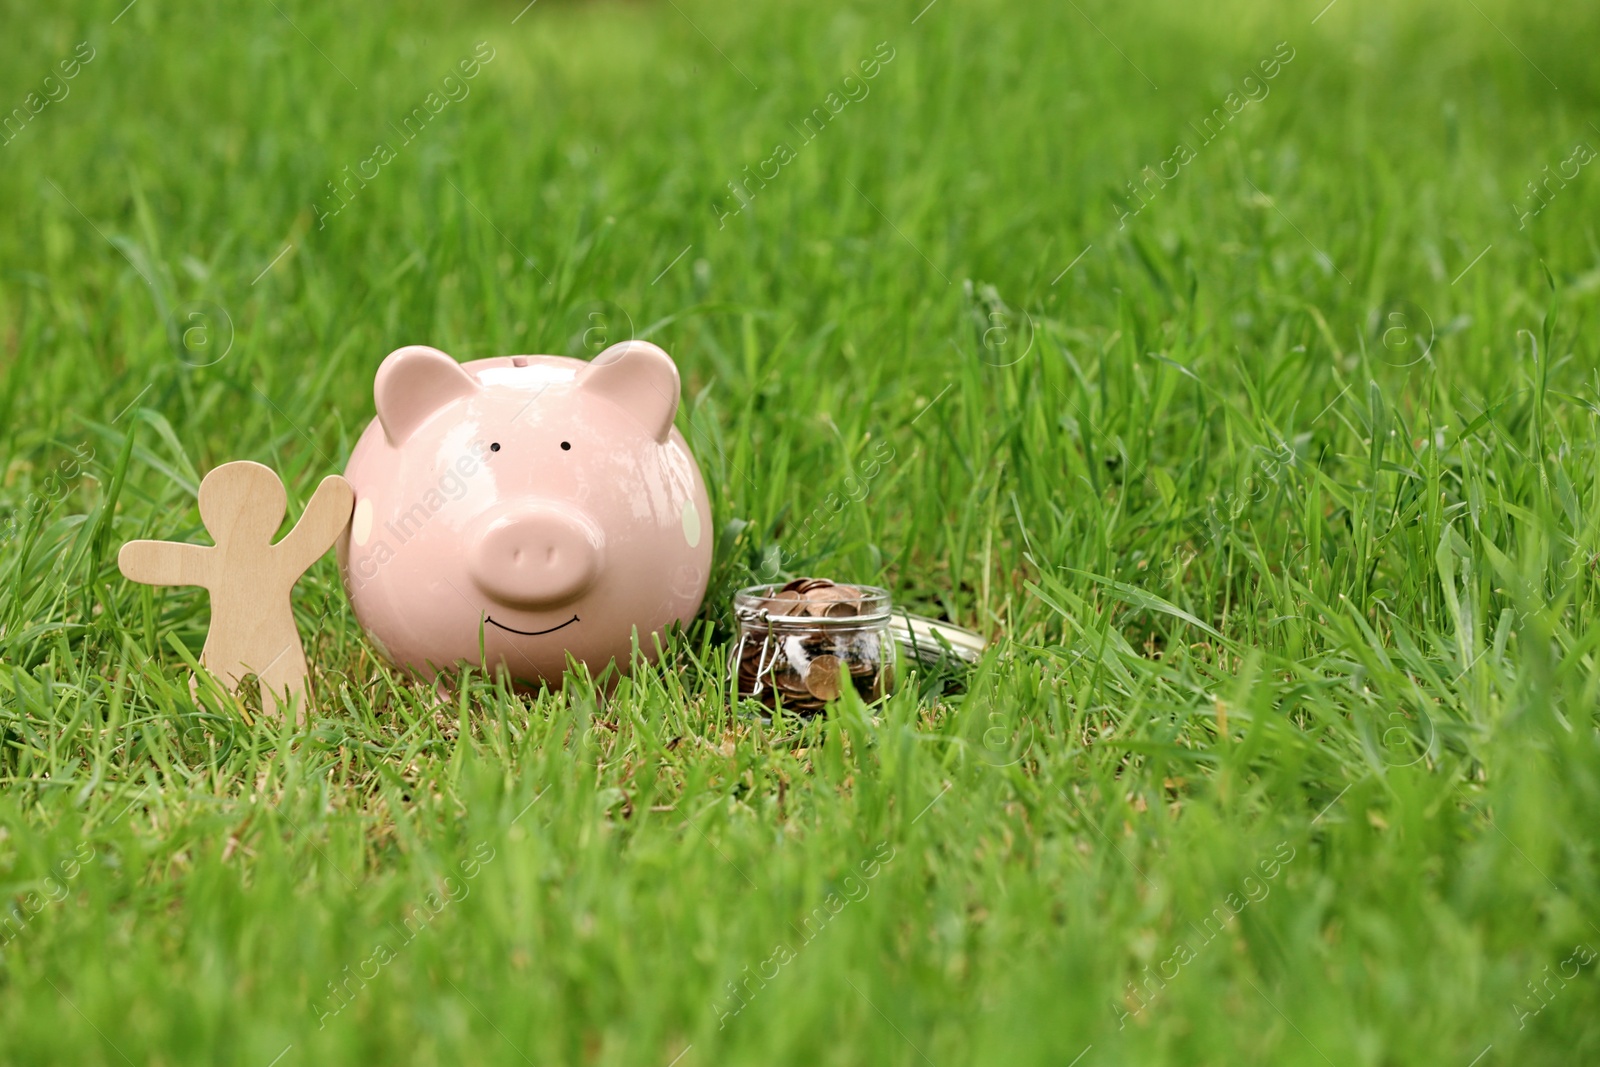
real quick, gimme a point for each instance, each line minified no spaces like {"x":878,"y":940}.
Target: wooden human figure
{"x":249,"y":578}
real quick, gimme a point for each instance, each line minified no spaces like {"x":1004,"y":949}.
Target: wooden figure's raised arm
{"x":166,"y":563}
{"x":320,"y":524}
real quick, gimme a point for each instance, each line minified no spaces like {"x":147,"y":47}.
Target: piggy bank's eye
{"x":566,"y":446}
{"x":495,"y":447}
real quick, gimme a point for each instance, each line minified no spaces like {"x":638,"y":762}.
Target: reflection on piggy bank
{"x":511,"y":512}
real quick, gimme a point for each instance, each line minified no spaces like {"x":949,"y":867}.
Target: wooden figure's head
{"x":243,"y":503}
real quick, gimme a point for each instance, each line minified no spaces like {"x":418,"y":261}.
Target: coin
{"x":785,"y":677}
{"x":822,"y":678}
{"x":785,"y":602}
{"x":806,"y":585}
{"x":822,"y":602}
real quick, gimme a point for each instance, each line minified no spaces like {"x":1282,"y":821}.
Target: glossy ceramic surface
{"x":511,"y":512}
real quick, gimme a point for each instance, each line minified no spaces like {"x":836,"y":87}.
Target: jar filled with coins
{"x":800,"y":643}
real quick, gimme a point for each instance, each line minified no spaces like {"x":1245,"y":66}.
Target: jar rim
{"x":750,"y":604}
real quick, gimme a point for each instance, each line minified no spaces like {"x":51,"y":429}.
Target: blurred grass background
{"x":1279,"y":503}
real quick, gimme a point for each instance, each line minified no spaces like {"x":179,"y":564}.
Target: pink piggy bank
{"x":512,"y":512}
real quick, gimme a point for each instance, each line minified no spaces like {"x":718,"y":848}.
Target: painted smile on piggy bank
{"x":514,"y":512}
{"x":529,"y":633}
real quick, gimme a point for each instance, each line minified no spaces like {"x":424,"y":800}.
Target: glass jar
{"x":800,"y":643}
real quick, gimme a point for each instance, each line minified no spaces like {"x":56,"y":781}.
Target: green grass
{"x":1293,"y":603}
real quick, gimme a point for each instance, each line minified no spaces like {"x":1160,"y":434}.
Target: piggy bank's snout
{"x":536,"y":556}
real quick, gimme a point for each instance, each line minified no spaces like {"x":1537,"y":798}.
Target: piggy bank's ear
{"x":639,"y":378}
{"x":412,"y":384}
